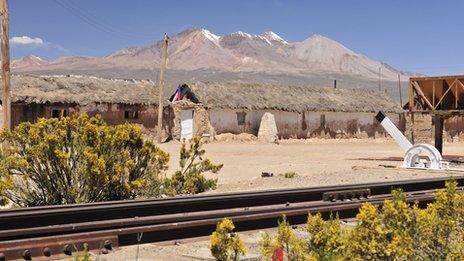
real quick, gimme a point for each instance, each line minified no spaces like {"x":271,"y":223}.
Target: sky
{"x":420,"y":36}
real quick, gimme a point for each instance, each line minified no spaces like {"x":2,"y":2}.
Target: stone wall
{"x":147,"y":115}
{"x":304,"y":125}
{"x":454,"y":128}
{"x":1,"y":116}
{"x":419,"y":128}
{"x":201,"y":123}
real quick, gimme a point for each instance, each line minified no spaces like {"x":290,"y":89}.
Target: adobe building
{"x":300,"y":112}
{"x":116,"y":101}
{"x":207,"y":108}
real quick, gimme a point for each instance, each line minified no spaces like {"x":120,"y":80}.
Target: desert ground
{"x":317,"y":162}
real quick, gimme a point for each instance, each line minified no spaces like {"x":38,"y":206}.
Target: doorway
{"x":186,"y":124}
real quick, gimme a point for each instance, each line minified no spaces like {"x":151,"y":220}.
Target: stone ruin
{"x":201,"y":124}
{"x":268,"y":128}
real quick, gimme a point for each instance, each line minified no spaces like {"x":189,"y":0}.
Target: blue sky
{"x":421,"y":36}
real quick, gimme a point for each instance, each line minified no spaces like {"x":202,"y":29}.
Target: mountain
{"x":323,"y":54}
{"x":202,"y":54}
{"x":28,"y":62}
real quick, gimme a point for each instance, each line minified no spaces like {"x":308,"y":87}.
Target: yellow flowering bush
{"x":395,"y":231}
{"x":325,"y":238}
{"x":224,"y":245}
{"x":75,"y":160}
{"x":286,"y":239}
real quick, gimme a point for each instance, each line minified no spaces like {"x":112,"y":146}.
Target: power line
{"x":95,"y":22}
{"x":88,"y":20}
{"x":107,"y":24}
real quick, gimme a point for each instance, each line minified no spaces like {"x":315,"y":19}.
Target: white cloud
{"x":25,"y":45}
{"x":26,"y":40}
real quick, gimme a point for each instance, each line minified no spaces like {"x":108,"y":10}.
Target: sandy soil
{"x":196,"y":249}
{"x":317,"y":162}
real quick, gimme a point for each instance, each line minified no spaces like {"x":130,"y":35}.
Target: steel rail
{"x":66,"y":214}
{"x":198,"y":224}
{"x":161,"y":219}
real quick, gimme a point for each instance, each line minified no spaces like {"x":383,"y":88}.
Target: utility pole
{"x":399,"y":89}
{"x":5,"y":42}
{"x":164,"y":57}
{"x":380,"y":79}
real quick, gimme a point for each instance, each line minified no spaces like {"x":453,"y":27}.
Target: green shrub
{"x":75,"y":160}
{"x":190,"y":178}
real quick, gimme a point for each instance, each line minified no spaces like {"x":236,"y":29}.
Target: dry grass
{"x":81,"y":90}
{"x":229,"y":95}
{"x":235,"y":95}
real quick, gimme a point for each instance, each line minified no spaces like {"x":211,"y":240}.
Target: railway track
{"x":40,"y":232}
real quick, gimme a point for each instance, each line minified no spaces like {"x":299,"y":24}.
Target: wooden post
{"x":456,"y":97}
{"x":399,"y":89}
{"x":433,"y":94}
{"x":6,"y":103}
{"x":380,"y":79}
{"x":411,"y":97}
{"x":164,"y":56}
{"x":438,"y":122}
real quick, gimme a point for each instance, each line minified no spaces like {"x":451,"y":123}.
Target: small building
{"x":207,"y":108}
{"x":300,"y":112}
{"x":116,"y":101}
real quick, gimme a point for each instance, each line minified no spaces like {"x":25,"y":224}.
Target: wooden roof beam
{"x":419,"y":91}
{"x":444,"y":94}
{"x":427,"y":78}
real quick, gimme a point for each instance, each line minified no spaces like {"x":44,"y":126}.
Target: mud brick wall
{"x":201,"y":124}
{"x":419,"y":128}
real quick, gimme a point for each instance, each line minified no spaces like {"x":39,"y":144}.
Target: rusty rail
{"x":61,"y":214}
{"x":126,"y":222}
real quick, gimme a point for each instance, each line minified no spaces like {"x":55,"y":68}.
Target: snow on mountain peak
{"x":271,"y":36}
{"x":242,"y":34}
{"x":127,"y":50}
{"x":28,"y":61}
{"x":210,"y":35}
{"x":35,"y":57}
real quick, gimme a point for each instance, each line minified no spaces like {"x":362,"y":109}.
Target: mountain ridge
{"x":238,"y":52}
